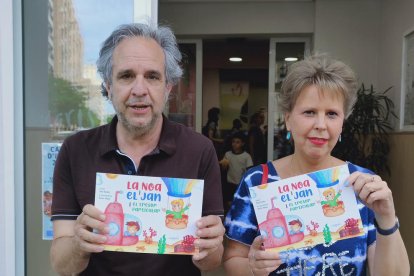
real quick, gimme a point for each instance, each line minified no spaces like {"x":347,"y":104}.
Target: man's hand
{"x":210,"y":232}
{"x":75,"y":240}
{"x":90,"y":230}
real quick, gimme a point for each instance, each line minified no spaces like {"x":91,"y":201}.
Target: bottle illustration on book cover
{"x":115,"y":219}
{"x":276,"y":231}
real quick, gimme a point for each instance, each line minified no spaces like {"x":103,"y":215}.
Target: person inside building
{"x":235,"y":162}
{"x":236,"y":127}
{"x":139,"y":65}
{"x":211,"y":130}
{"x":316,"y":96}
{"x":256,"y":138}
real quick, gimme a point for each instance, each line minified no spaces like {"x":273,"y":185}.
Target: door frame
{"x":272,"y":107}
{"x":199,"y":79}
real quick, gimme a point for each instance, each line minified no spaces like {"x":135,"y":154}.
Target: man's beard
{"x":141,"y":130}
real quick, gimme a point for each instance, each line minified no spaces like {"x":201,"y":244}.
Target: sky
{"x":97,"y":19}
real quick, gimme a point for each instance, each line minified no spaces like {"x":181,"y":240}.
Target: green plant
{"x":327,"y":236}
{"x":364,"y":139}
{"x":161,"y":245}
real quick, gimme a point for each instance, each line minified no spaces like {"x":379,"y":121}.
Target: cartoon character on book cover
{"x":149,"y":214}
{"x":306,"y":210}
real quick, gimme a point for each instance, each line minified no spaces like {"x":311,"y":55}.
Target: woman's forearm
{"x":390,"y":256}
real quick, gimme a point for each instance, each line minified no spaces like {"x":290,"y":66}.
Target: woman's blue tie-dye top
{"x":343,"y":257}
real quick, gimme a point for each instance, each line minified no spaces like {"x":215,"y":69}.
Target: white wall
{"x":238,"y":18}
{"x":349,"y":30}
{"x":396,"y":19}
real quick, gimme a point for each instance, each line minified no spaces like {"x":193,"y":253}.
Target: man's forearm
{"x":65,"y":259}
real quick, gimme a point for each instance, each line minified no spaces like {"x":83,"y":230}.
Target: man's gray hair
{"x":161,"y":34}
{"x":326,"y":74}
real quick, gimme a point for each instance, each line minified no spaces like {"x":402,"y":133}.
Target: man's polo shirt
{"x":181,"y":153}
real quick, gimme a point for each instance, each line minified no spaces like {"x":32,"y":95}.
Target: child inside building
{"x":236,"y":161}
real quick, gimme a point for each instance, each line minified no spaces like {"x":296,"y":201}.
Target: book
{"x":306,"y":210}
{"x":50,"y":152}
{"x":150,"y":214}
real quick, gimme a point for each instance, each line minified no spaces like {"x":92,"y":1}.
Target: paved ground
{"x":217,"y":272}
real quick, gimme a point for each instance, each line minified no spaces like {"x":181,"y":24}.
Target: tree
{"x":67,"y":105}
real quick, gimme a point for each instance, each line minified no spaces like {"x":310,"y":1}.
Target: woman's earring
{"x":340,"y":138}
{"x":288,"y":135}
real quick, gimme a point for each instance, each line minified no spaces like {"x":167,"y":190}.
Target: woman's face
{"x":316,"y":122}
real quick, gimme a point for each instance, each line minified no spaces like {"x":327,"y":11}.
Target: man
{"x":139,"y":64}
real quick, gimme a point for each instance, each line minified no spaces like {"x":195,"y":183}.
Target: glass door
{"x":184,"y":104}
{"x":283,"y":53}
{"x":62,"y":96}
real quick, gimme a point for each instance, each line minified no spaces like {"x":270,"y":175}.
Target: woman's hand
{"x":262,"y":262}
{"x":376,"y":195}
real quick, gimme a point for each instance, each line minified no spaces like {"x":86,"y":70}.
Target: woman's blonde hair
{"x":329,"y":75}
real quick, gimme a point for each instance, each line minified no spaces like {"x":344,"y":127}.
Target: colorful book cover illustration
{"x":307,"y":210}
{"x":150,"y":214}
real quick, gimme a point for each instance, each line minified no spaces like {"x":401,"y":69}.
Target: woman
{"x":211,"y":130}
{"x":256,"y":139}
{"x":316,"y":96}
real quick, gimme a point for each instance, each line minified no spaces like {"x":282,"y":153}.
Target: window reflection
{"x":76,"y":30}
{"x":181,"y":107}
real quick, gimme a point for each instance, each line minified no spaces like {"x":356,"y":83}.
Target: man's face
{"x":138,"y":91}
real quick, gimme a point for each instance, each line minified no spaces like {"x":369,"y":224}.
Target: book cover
{"x":307,"y":210}
{"x":150,"y":214}
{"x":50,"y":152}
